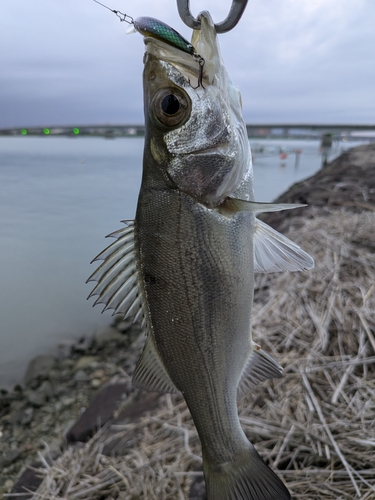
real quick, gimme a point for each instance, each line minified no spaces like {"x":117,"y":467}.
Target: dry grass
{"x":315,"y":426}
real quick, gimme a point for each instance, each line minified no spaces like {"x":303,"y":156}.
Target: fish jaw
{"x":207,"y":153}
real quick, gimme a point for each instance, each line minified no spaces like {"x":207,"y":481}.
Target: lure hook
{"x":235,"y":14}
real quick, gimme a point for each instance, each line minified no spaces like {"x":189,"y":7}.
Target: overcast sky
{"x":70,"y":61}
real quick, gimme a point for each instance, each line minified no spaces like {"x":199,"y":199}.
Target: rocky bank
{"x":36,"y":417}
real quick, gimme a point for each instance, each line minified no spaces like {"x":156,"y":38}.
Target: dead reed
{"x":315,"y":427}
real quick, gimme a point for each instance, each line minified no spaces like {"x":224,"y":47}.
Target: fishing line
{"x":148,"y":26}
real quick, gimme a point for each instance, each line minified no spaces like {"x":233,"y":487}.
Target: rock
{"x":140,"y":404}
{"x":107,"y":334}
{"x":61,"y":391}
{"x":67,"y":401}
{"x":36,"y":398}
{"x":30,"y":480}
{"x":17,"y":431}
{"x":68,"y":363}
{"x":99,"y":412}
{"x":86,"y":362}
{"x":64,"y":349}
{"x":9,"y":457}
{"x":82,"y":346}
{"x":46,"y":389}
{"x":15,"y":417}
{"x":80,"y":376}
{"x":58,"y":406}
{"x":8,"y":485}
{"x":54,"y":378}
{"x":110,"y":368}
{"x":95,"y":383}
{"x":71,"y":383}
{"x":27,"y":416}
{"x":39,"y":367}
{"x":98,"y":374}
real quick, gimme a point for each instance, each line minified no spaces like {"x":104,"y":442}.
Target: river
{"x":59,"y":197}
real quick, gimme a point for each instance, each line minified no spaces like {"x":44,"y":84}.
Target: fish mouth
{"x":206,"y":46}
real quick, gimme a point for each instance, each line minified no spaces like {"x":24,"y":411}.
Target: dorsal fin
{"x":117,"y":277}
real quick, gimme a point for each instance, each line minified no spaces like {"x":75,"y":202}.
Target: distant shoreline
{"x":255,"y":131}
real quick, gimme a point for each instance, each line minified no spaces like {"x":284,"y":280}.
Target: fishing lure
{"x":148,"y":26}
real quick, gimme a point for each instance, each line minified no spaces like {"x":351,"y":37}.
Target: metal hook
{"x":235,"y":13}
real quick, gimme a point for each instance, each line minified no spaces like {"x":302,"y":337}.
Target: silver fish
{"x":184,"y":268}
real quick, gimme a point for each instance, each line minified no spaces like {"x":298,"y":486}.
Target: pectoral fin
{"x":273,"y":252}
{"x":260,"y":366}
{"x":150,"y":373}
{"x":236,"y":205}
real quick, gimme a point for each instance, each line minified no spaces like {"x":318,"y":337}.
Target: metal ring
{"x":235,"y":13}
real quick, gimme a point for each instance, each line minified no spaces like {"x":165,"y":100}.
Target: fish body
{"x":185,"y":267}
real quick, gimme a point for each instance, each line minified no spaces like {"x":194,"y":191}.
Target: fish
{"x":184,"y":267}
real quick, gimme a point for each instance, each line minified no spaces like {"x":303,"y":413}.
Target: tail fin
{"x":246,"y":479}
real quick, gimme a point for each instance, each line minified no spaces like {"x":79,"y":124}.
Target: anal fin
{"x":259,"y":367}
{"x":150,"y":373}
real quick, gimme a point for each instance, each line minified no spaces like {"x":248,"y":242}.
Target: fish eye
{"x":171,"y":107}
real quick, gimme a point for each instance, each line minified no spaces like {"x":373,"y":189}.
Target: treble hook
{"x":235,"y":13}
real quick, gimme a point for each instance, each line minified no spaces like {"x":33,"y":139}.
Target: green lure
{"x":148,"y":26}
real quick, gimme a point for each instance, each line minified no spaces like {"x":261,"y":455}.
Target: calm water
{"x":59,"y":198}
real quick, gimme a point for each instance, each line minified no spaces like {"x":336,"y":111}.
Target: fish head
{"x":195,"y":134}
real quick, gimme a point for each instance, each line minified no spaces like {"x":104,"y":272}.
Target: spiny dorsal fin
{"x":259,"y":367}
{"x":273,"y":252}
{"x":117,"y":277}
{"x":150,"y":373}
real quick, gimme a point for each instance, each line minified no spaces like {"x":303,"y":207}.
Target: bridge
{"x":280,"y":130}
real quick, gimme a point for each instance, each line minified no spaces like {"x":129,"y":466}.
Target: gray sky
{"x":70,"y":61}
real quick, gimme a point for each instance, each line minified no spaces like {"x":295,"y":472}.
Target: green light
{"x":76,"y":130}
{"x":23,"y":131}
{"x":46,"y":131}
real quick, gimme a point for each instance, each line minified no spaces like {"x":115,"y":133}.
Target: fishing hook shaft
{"x":235,"y":14}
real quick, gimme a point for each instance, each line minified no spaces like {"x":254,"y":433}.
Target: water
{"x":59,"y":197}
